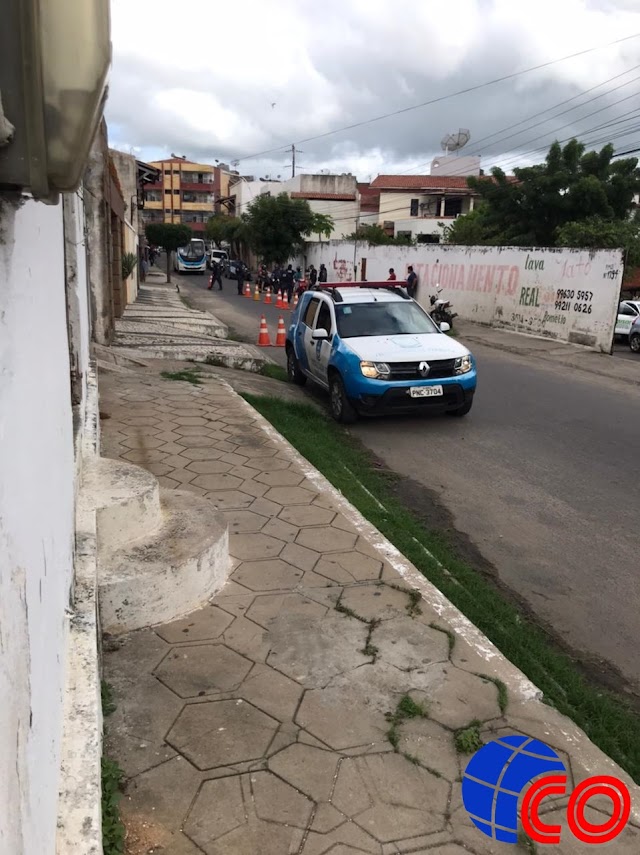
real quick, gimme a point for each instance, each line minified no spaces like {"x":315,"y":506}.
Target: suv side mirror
{"x":320,"y":335}
{"x":445,"y":327}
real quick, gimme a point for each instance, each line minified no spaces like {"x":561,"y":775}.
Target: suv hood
{"x":405,"y":348}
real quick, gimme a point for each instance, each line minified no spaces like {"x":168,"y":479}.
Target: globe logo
{"x":495,"y":777}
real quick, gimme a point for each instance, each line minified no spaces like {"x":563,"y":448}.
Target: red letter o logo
{"x":603,"y":785}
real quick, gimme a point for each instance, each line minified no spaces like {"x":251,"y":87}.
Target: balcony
{"x":197,"y":188}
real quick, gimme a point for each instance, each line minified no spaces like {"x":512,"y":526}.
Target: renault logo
{"x":424,"y":369}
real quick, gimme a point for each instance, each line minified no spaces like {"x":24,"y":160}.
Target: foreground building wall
{"x":36,"y":514}
{"x":564,"y":294}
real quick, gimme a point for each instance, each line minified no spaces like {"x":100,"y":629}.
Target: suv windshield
{"x":383,"y":318}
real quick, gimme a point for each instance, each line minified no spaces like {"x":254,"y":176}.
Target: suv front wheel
{"x":342,"y":409}
{"x":634,"y":342}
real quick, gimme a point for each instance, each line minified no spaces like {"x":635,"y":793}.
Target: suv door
{"x":303,"y":343}
{"x":321,"y":350}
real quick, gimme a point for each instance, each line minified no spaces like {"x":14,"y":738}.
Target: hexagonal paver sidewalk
{"x":311,"y":707}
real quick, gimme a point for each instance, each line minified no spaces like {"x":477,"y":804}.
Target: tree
{"x":375,"y":235}
{"x":530,"y":208}
{"x":322,"y":225}
{"x":217,"y":229}
{"x":276,"y":226}
{"x":597,"y":233}
{"x":170,"y":236}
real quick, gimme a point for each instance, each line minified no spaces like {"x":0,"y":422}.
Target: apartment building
{"x":187,"y":192}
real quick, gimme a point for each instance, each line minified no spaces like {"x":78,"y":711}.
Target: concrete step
{"x":191,"y":348}
{"x":168,"y":573}
{"x":127,"y":501}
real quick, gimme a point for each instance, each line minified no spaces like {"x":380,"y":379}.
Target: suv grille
{"x":409,"y":370}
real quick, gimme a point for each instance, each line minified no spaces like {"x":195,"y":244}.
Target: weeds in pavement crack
{"x":112,"y":778}
{"x":407,"y":708}
{"x":415,"y":597}
{"x":467,"y":739}
{"x":106,"y":695}
{"x":370,"y":649}
{"x":345,"y":610}
{"x":450,"y":636}
{"x":189,"y":375}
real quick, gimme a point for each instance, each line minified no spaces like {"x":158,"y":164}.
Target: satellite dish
{"x":455,"y":141}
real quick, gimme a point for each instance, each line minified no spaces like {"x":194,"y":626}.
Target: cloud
{"x":200,"y":84}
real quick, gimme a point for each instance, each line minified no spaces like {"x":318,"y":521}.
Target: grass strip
{"x":606,"y":717}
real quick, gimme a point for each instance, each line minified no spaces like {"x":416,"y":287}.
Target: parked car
{"x":628,"y":311}
{"x":377,"y":351}
{"x":634,"y":336}
{"x":230,"y":269}
{"x":219,"y":255}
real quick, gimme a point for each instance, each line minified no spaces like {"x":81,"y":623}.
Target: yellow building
{"x":186,"y":193}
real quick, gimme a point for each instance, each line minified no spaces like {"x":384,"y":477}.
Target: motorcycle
{"x":441,"y":311}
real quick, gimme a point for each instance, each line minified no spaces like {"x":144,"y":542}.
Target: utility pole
{"x":293,"y":151}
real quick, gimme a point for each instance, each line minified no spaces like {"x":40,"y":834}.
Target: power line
{"x":441,"y":98}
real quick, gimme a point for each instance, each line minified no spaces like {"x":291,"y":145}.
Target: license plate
{"x":425,"y":391}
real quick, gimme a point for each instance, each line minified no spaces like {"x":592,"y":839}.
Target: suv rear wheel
{"x":342,"y":409}
{"x":634,"y":342}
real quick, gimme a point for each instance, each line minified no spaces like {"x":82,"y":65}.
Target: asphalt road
{"x":543,"y":476}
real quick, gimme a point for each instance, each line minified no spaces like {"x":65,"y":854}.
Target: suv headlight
{"x":464,"y":364}
{"x":375,"y":370}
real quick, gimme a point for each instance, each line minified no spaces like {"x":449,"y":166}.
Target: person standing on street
{"x":412,"y":283}
{"x":322,"y":274}
{"x":313,"y":276}
{"x":392,"y":275}
{"x":240,"y":276}
{"x":297,"y":279}
{"x":287,"y":282}
{"x":215,"y":276}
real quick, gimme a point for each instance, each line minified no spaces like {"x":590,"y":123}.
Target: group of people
{"x":289,"y":281}
{"x":412,"y":280}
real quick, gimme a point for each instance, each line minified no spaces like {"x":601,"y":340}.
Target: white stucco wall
{"x":564,"y":294}
{"x":36,"y":521}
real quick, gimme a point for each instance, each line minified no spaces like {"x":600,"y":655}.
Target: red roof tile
{"x":329,"y":197}
{"x":420,"y":182}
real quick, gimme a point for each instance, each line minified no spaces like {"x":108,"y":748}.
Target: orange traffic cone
{"x":267,"y":298}
{"x":263,"y":335}
{"x":279,"y":299}
{"x":281,"y":336}
{"x":256,"y":294}
{"x":285,"y":300}
{"x":247,"y":290}
{"x":295,"y":301}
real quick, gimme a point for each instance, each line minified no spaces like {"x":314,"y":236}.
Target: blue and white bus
{"x":191,"y":258}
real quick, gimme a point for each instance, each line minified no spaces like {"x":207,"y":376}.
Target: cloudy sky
{"x":231,"y":81}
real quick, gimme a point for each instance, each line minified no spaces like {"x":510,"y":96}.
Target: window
{"x":382,"y":318}
{"x":311,"y":312}
{"x":176,"y":172}
{"x":167,"y":210}
{"x":405,"y":235}
{"x":626,"y":309}
{"x":176,"y":192}
{"x":324,"y":317}
{"x":428,"y":238}
{"x":452,"y":207}
{"x":167,"y":192}
{"x":167,"y":172}
{"x":414,"y":207}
